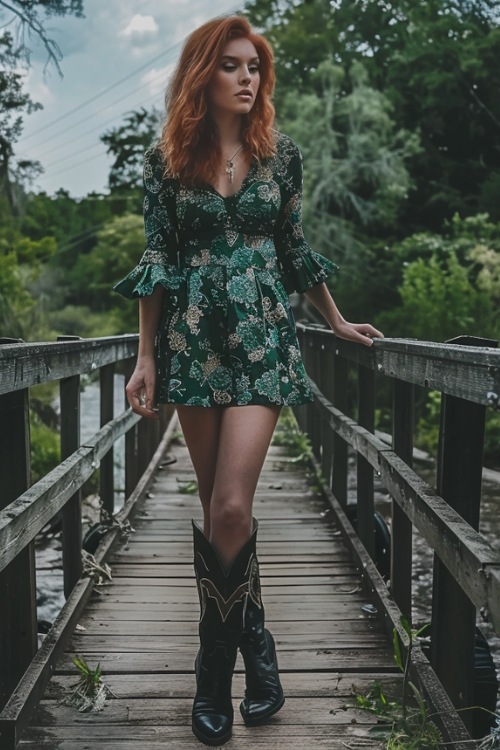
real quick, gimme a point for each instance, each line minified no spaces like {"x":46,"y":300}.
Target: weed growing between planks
{"x":90,"y":692}
{"x":408,"y":725}
{"x":187,"y":486}
{"x":405,"y":725}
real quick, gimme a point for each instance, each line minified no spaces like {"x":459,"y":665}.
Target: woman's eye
{"x":229,"y":67}
{"x":254,"y":69}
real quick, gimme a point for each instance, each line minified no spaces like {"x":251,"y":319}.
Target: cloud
{"x":157,"y":79}
{"x":139,"y":24}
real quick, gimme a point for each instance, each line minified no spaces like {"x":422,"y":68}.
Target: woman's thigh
{"x":245,"y":434}
{"x":201,"y":429}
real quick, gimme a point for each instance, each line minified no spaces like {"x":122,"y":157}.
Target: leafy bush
{"x":45,"y":448}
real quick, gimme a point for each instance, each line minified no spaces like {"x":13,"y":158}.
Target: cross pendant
{"x":230,"y":170}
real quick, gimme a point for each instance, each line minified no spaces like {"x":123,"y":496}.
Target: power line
{"x":86,"y":148}
{"x":94,"y":114}
{"x":72,"y":166}
{"x":101,"y":93}
{"x":147,"y":64}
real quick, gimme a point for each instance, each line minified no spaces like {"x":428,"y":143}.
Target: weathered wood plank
{"x":465,"y":371}
{"x":357,"y":627}
{"x":25,"y":365}
{"x":28,"y":692}
{"x":188,"y":644}
{"x":268,"y":569}
{"x":464,"y":551}
{"x":23,"y":519}
{"x":176,"y":685}
{"x":142,"y":629}
{"x":133,"y":713}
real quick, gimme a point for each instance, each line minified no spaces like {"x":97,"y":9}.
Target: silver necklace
{"x":230,"y":165}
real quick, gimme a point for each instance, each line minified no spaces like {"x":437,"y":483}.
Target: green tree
{"x":436,"y":61}
{"x":355,"y":178}
{"x":127,"y":145}
{"x":462,"y":260}
{"x":119,"y":246}
{"x":16,"y":303}
{"x":28,"y":19}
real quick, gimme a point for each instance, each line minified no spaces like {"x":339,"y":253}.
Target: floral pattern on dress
{"x":227,"y":334}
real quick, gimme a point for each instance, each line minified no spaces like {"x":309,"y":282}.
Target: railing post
{"x":107,"y":483}
{"x":310,"y":410}
{"x":18,"y":618}
{"x":339,"y":474}
{"x":315,"y":372}
{"x":366,"y":418}
{"x":460,"y":461}
{"x":401,"y":527}
{"x":327,"y":431}
{"x":301,"y":411}
{"x":132,"y":472}
{"x":71,"y":514}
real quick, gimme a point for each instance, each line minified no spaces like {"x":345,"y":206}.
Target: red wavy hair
{"x":189,"y":143}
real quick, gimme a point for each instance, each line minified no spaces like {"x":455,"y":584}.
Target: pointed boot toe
{"x":210,"y":727}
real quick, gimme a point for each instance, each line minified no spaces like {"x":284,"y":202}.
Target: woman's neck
{"x":229,"y":127}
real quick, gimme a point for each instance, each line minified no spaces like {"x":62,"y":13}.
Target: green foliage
{"x":127,"y":144}
{"x":450,"y":282}
{"x":405,"y":725}
{"x":437,"y":64}
{"x":187,"y":486}
{"x":288,"y":435}
{"x":355,"y":177}
{"x":21,"y":20}
{"x":45,"y":447}
{"x":439,"y":302}
{"x":427,"y":432}
{"x":90,"y":692}
{"x":16,"y":303}
{"x":119,"y":246}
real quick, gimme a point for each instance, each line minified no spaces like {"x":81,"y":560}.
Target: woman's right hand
{"x":140,"y":388}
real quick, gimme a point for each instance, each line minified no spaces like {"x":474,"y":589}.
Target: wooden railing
{"x":25,"y":510}
{"x":466,"y":568}
{"x":466,"y":575}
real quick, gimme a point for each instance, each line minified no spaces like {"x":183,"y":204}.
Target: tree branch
{"x":30,"y":21}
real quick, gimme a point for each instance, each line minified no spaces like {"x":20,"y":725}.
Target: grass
{"x":90,"y":692}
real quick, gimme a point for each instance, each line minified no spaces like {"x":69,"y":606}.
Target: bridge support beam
{"x":401,"y":547}
{"x":18,"y":622}
{"x":460,"y":461}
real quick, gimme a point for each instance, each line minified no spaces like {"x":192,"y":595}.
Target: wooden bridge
{"x":330,"y":610}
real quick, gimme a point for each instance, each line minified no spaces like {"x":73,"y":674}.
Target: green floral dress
{"x":227,"y":334}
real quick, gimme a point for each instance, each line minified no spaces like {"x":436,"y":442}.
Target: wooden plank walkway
{"x":142,"y":628}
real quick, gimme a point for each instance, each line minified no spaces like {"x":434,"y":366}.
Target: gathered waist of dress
{"x":260,"y":256}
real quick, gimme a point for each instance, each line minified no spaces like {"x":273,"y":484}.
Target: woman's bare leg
{"x":227,"y":446}
{"x":244,"y":437}
{"x":201,"y":427}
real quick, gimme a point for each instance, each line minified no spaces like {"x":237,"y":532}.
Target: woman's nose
{"x":245,"y":76}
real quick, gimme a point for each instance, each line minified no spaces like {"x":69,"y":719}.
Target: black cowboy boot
{"x":223,"y":597}
{"x":263,"y":693}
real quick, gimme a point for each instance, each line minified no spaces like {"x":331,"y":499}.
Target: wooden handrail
{"x":467,"y":373}
{"x":25,"y":365}
{"x":25,"y":510}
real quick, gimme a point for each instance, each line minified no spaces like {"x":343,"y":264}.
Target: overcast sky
{"x":139,"y":40}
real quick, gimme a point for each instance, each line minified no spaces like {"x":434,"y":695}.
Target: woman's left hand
{"x":360,"y":333}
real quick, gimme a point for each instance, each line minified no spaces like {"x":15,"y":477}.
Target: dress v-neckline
{"x":243,"y":185}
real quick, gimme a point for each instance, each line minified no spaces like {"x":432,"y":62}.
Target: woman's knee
{"x":230,"y":516}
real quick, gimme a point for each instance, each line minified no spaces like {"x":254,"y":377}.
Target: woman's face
{"x":236,"y":79}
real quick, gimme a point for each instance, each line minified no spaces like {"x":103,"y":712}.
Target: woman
{"x":224,"y":246}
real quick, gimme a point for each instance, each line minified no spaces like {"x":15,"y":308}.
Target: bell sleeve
{"x":301,"y":267}
{"x":159,"y":262}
